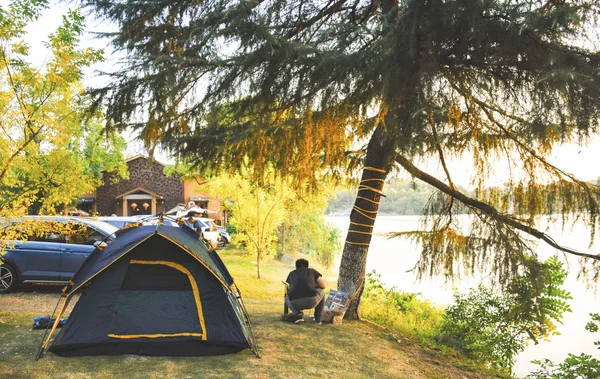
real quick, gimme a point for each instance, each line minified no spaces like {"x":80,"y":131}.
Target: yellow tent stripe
{"x":199,"y":261}
{"x":110,"y":264}
{"x":136,"y":245}
{"x":196,"y":298}
{"x":131,"y":336}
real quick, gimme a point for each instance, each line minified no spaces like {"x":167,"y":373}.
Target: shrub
{"x":494,"y":328}
{"x":574,"y":366}
{"x":397,"y":310}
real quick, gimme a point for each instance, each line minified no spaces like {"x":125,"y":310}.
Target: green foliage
{"x":310,"y":234}
{"x":397,"y":310}
{"x":271,"y":216}
{"x":49,"y":154}
{"x":479,"y":324}
{"x":256,"y":211}
{"x":305,"y":230}
{"x":401,"y":198}
{"x":494,"y":328}
{"x":574,"y":366}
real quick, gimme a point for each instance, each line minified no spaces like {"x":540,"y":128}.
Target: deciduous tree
{"x":49,"y":154}
{"x":257,"y":210}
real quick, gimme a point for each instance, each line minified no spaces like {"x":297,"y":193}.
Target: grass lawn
{"x":353,"y":349}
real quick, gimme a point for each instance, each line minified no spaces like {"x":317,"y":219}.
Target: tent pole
{"x":253,"y":344}
{"x":39,"y":354}
{"x":56,"y":322}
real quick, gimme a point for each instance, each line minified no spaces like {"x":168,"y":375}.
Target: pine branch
{"x":329,"y":9}
{"x":486,"y":208}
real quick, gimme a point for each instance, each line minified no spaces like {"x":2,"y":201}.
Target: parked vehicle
{"x":209,"y":228}
{"x":121,"y":221}
{"x":118,"y":221}
{"x":210,"y":231}
{"x":225,"y":237}
{"x":52,"y":256}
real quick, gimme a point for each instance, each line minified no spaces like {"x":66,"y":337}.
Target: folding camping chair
{"x":285,"y":293}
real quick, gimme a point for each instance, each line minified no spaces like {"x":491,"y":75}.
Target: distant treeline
{"x":402,"y":197}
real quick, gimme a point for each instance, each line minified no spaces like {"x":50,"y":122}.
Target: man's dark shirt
{"x":194,"y":225}
{"x":303,"y":283}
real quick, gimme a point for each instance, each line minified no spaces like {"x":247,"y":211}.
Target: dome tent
{"x":155,"y":290}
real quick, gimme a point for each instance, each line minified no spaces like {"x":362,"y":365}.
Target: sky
{"x":47,"y":23}
{"x":582,"y":161}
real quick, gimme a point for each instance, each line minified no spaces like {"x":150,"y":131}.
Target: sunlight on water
{"x":393,"y":258}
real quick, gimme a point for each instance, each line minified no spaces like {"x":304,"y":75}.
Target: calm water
{"x":392,"y":258}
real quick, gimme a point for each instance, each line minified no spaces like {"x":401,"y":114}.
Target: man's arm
{"x":321,"y":282}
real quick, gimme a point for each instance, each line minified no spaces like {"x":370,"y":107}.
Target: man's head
{"x":301,"y":263}
{"x":193,"y":214}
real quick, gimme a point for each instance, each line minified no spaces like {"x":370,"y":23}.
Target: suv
{"x":49,"y":253}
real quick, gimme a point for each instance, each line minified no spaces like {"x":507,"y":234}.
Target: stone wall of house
{"x":146,"y":174}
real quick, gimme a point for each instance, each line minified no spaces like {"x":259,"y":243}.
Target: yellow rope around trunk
{"x":363,"y":212}
{"x":375,"y":169}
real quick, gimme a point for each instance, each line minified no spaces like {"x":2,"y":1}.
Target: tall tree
{"x":257,"y":209}
{"x":296,"y":83}
{"x":49,"y":154}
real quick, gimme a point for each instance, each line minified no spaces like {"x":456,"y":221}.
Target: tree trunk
{"x":354,"y":257}
{"x":399,"y":91}
{"x":258,"y":258}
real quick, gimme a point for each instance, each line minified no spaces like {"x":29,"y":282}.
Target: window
{"x":82,"y":235}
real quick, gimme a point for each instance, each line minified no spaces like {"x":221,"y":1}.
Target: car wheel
{"x":8,"y":278}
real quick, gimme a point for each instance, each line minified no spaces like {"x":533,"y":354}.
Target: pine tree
{"x":299,"y":83}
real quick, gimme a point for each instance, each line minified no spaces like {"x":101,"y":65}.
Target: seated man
{"x":306,"y":290}
{"x":193,"y":223}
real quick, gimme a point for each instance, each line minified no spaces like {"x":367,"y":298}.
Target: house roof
{"x":138,"y":156}
{"x":139,"y":189}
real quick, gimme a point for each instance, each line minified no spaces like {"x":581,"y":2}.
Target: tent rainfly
{"x":154,"y":290}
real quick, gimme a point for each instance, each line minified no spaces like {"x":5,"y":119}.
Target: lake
{"x":392,"y":258}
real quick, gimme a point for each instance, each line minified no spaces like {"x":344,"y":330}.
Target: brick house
{"x":148,"y":191}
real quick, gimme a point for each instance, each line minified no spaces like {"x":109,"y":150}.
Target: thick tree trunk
{"x":354,"y":257}
{"x":398,"y":92}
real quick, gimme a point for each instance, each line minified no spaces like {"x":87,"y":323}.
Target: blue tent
{"x":154,"y":290}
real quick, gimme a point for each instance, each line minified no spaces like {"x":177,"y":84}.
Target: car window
{"x":46,"y":237}
{"x":82,"y":235}
{"x":202,"y":224}
{"x":32,"y":235}
{"x":212,"y":226}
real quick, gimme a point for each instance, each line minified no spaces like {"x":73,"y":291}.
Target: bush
{"x":494,"y":328}
{"x":397,"y":310}
{"x":574,"y":366}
